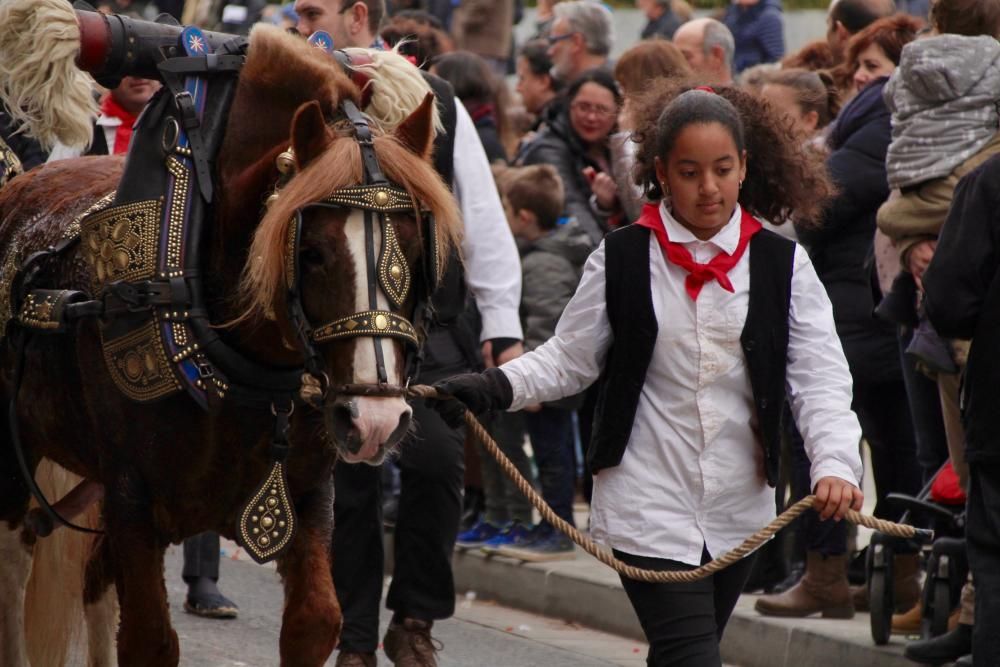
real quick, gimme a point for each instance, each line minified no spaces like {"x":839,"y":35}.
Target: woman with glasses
{"x":575,"y":142}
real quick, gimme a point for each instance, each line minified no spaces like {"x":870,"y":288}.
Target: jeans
{"x":551,"y":433}
{"x":503,"y":500}
{"x":201,"y":557}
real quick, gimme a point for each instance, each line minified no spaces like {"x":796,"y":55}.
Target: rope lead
{"x":655,"y":576}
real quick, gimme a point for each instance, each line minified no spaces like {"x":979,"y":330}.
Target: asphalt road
{"x":481,"y":634}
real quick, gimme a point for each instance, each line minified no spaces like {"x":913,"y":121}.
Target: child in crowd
{"x":553,"y":251}
{"x":696,"y":323}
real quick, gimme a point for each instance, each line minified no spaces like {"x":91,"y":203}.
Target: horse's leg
{"x":15,"y":567}
{"x":145,"y":635}
{"x":102,"y":619}
{"x":310,"y":626}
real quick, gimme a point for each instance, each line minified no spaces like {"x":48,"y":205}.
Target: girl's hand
{"x":834,"y":496}
{"x":603,"y":187}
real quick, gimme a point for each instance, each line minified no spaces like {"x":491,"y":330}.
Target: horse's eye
{"x":310,"y":257}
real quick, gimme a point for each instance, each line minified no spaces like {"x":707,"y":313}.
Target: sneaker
{"x":547,"y":547}
{"x":514,"y":534}
{"x":477,"y":535}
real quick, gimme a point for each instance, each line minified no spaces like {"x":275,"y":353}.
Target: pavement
{"x":586,"y":592}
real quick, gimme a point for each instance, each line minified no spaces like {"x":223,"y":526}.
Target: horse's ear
{"x":310,"y":135}
{"x":417,"y":131}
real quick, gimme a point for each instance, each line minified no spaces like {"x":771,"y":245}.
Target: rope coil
{"x":748,"y":546}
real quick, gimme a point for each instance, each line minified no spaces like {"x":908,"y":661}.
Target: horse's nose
{"x":343,"y":415}
{"x":401,"y":429}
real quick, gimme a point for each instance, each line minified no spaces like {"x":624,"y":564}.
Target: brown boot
{"x":822,"y":590}
{"x":908,"y":623}
{"x":409,"y":644}
{"x":348,"y":659}
{"x":906,"y":581}
{"x":905,"y":585}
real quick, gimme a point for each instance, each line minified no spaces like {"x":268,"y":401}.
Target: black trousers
{"x":982,"y":532}
{"x":432,"y":469}
{"x":683,"y":623}
{"x":201,"y":557}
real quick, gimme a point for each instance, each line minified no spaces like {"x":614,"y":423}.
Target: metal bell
{"x":285,"y":162}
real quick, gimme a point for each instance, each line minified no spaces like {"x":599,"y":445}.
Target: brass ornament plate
{"x":367,"y":323}
{"x":120,"y":243}
{"x":138,"y":364}
{"x":267,"y":521}
{"x":393,"y":271}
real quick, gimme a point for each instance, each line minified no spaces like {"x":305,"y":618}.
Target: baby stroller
{"x":941,"y":507}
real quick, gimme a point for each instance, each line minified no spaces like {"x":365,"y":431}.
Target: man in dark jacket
{"x":663,"y":21}
{"x":758,"y":28}
{"x":962,"y":297}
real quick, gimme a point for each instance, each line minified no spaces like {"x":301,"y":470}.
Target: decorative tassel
{"x":40,"y":85}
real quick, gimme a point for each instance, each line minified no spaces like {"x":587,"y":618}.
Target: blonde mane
{"x":263,"y":284}
{"x":399,"y":88}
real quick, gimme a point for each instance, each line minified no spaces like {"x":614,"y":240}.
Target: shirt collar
{"x":726,"y":239}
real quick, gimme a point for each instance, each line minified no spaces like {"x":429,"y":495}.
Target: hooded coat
{"x":550,"y":272}
{"x":943,"y":98}
{"x":758,"y":32}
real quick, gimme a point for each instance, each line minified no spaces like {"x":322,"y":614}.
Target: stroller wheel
{"x":880,"y":591}
{"x":942,"y":607}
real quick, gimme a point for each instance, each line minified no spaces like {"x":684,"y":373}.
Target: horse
{"x":169,"y":469}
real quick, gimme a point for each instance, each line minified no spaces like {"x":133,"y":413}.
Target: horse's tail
{"x":53,"y":609}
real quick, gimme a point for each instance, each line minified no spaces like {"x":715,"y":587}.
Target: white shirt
{"x":108,"y":124}
{"x":492,"y":263}
{"x":693,"y":474}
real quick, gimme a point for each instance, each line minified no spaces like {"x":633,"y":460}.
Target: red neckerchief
{"x":123,"y":133}
{"x":699,"y":274}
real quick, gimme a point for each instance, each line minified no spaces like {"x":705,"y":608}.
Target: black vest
{"x":633,"y":323}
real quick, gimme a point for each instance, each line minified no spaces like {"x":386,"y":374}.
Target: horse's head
{"x":341,"y":266}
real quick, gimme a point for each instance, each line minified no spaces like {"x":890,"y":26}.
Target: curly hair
{"x":784,"y":177}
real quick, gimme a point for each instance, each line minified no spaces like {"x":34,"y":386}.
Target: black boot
{"x":205,"y":599}
{"x":940,"y":650}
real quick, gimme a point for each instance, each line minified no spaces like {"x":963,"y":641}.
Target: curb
{"x":586,"y":592}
